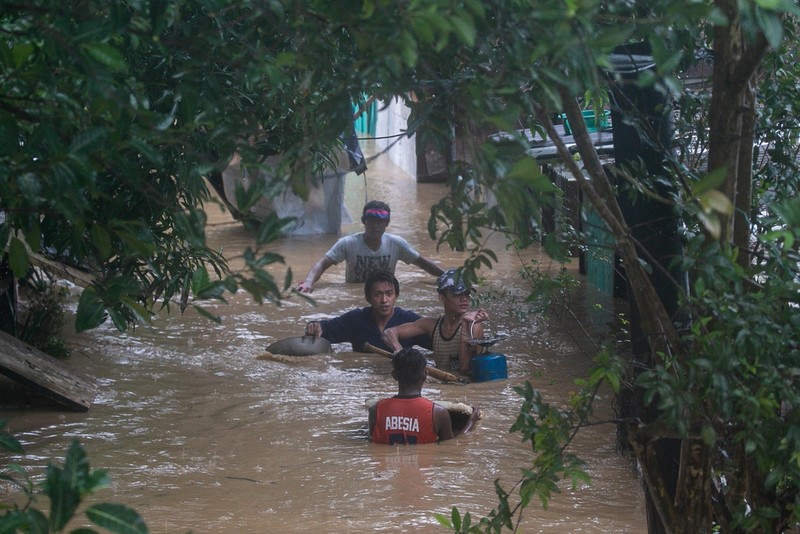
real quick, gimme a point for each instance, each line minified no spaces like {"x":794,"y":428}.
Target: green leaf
{"x":285,"y":59}
{"x":107,"y":55}
{"x":10,"y":443}
{"x":771,"y":24}
{"x":21,"y":52}
{"x":64,"y":497}
{"x":117,"y":518}
{"x":712,"y":180}
{"x":711,"y":223}
{"x":101,"y":240}
{"x":768,"y":4}
{"x":207,"y":314}
{"x":146,"y":150}
{"x":98,"y":479}
{"x":76,"y":467}
{"x":525,"y":168}
{"x":464,"y":28}
{"x":287,"y":279}
{"x":715,"y":200}
{"x":18,"y":257}
{"x":142,"y":313}
{"x":611,"y":37}
{"x":368,"y":8}
{"x":443,"y":520}
{"x":273,"y":228}
{"x":708,"y":435}
{"x":456,"y":518}
{"x":408,"y":48}
{"x":87,"y":139}
{"x":614,"y":381}
{"x":91,"y":311}
{"x":424,"y":27}
{"x":774,"y":477}
{"x":34,"y":522}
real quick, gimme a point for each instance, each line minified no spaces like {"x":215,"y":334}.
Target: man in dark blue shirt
{"x":366,"y":325}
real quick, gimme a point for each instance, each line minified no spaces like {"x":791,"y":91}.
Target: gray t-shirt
{"x":361,"y":259}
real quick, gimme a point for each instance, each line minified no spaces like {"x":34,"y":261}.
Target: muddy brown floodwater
{"x":198,"y":434}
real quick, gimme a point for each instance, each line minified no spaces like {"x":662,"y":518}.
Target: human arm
{"x":307,"y":285}
{"x":373,"y":416}
{"x":428,"y":266}
{"x":410,"y":255}
{"x":472,"y":329}
{"x":442,"y":423}
{"x":355,"y":327}
{"x":402,"y":316}
{"x":391,"y":336}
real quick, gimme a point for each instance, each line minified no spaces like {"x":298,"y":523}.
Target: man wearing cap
{"x":372,"y":249}
{"x":451,"y":331}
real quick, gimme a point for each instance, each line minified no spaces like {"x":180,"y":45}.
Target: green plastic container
{"x":589,"y":119}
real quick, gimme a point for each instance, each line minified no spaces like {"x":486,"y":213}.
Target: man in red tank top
{"x":408,"y":417}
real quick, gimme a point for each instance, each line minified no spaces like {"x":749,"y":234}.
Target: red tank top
{"x":404,"y":421}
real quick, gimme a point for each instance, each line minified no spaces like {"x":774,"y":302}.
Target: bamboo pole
{"x":444,"y":376}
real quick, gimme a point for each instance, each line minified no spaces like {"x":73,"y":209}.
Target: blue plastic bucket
{"x":487,"y":367}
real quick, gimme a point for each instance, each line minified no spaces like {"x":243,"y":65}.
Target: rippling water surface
{"x":199,"y":434}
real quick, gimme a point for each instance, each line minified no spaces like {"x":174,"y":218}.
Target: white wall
{"x":392,"y":121}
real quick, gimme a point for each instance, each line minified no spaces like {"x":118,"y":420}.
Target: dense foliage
{"x":114,"y":111}
{"x":65,"y":488}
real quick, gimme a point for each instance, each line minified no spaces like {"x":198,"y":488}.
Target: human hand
{"x":476,"y":316}
{"x":473,"y":419}
{"x":305,"y":287}
{"x":313,"y":328}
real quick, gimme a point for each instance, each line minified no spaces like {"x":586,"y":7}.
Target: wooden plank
{"x":61,"y":270}
{"x":44,"y":374}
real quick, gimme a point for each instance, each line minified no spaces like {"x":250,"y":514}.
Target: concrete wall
{"x":391,"y":124}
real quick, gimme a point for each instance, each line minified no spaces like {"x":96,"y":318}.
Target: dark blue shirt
{"x":358,"y":326}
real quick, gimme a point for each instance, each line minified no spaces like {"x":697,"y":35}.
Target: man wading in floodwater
{"x":370,"y":250}
{"x":408,"y":417}
{"x":451,"y":331}
{"x":366,"y":325}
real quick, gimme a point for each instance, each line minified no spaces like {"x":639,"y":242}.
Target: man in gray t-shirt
{"x":369,"y":250}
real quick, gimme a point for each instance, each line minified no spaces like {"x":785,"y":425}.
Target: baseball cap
{"x":451,"y":279}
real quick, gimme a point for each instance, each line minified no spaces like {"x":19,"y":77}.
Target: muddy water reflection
{"x":199,"y":435}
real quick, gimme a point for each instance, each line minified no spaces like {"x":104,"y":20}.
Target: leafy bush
{"x":66,"y":487}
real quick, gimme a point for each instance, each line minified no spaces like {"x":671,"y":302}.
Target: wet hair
{"x":375,"y":205}
{"x":380,"y":276}
{"x":409,"y":366}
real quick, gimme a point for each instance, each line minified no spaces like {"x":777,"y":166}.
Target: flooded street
{"x":199,"y":434}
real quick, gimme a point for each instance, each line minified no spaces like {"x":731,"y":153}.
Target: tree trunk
{"x":8,"y":298}
{"x":744,"y":179}
{"x":661,"y":334}
{"x":735,"y":63}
